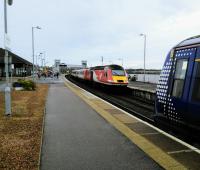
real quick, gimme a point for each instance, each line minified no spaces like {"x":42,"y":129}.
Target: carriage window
{"x":179,"y":78}
{"x":196,"y":87}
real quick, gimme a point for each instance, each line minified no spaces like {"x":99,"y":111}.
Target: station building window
{"x":179,"y":77}
{"x":196,"y":87}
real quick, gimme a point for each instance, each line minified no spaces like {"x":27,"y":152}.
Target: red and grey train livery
{"x":178,"y":90}
{"x":114,"y":75}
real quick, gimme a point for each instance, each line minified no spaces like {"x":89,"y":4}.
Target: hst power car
{"x":113,"y":75}
{"x":178,"y":90}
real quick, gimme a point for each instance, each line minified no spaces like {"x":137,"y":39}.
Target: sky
{"x":78,"y":30}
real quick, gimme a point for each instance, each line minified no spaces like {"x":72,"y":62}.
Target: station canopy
{"x":15,"y":58}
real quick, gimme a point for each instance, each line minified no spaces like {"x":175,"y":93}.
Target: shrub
{"x":27,"y":84}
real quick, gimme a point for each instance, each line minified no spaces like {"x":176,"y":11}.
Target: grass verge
{"x":20,"y":135}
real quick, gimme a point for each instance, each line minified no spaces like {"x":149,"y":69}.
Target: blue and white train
{"x":178,"y":90}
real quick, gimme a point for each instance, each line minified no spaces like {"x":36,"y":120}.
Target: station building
{"x":19,"y":67}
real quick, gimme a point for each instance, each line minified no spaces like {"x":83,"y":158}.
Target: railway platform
{"x":149,"y":87}
{"x":145,"y":91}
{"x":77,"y":137}
{"x":84,"y":132}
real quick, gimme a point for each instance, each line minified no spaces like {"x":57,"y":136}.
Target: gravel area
{"x":20,"y":137}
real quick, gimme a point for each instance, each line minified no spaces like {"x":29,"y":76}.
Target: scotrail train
{"x":112,"y":75}
{"x":178,"y":90}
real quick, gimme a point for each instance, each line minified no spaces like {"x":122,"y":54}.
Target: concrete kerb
{"x":42,"y":134}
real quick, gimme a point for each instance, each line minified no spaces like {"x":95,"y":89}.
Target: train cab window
{"x":179,"y":77}
{"x":118,"y":73}
{"x":196,"y":87}
{"x":117,"y":70}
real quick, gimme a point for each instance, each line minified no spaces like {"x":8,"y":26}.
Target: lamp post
{"x":6,"y":59}
{"x":102,"y":60}
{"x":38,"y":57}
{"x":33,"y":49}
{"x":43,"y":58}
{"x":145,"y":37}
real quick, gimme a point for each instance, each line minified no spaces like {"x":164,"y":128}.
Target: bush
{"x":27,"y":84}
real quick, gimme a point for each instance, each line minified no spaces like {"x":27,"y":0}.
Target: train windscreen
{"x":117,"y":70}
{"x":118,"y":73}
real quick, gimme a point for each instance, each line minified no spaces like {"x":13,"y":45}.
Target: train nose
{"x":120,"y":79}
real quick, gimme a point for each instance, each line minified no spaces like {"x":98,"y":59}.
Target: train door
{"x":91,"y":75}
{"x":105,"y":75}
{"x":194,"y":97}
{"x":177,"y":105}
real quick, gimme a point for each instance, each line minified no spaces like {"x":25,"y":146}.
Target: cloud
{"x":87,"y":29}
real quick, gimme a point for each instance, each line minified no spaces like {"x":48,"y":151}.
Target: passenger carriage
{"x":178,"y":90}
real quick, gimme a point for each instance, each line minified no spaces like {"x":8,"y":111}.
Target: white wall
{"x":150,"y":78}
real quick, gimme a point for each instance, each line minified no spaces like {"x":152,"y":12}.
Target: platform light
{"x":33,"y":48}
{"x":145,"y":37}
{"x":38,"y":27}
{"x":10,"y":2}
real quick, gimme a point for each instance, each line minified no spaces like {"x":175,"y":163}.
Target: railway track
{"x":120,"y":98}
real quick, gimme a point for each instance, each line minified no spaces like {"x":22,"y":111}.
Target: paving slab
{"x":77,"y":137}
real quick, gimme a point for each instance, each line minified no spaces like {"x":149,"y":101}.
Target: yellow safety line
{"x":161,"y":157}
